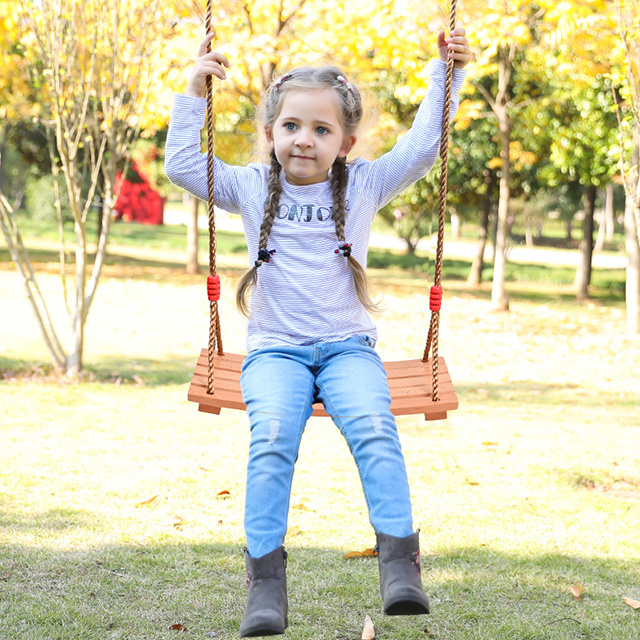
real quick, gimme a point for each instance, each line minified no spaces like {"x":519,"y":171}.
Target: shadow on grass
{"x":57,"y":519}
{"x":146,"y":590}
{"x":558,"y":396}
{"x":608,"y":285}
{"x":113,"y":369}
{"x":153,"y":373}
{"x":531,"y":282}
{"x":120,"y":369}
{"x":120,"y":266}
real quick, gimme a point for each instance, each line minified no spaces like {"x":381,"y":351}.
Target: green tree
{"x":603,"y":37}
{"x":508,"y":37}
{"x":584,"y":149}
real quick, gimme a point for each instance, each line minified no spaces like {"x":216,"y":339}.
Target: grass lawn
{"x":121,"y":505}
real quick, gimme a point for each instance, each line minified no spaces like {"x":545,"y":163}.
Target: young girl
{"x":307,"y":220}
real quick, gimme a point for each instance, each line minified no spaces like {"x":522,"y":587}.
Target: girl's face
{"x":308,"y":135}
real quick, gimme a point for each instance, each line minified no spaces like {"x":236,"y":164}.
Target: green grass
{"x":508,"y":522}
{"x":124,"y":234}
{"x":112,"y":525}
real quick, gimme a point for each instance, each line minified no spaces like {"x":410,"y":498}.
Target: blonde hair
{"x":350,"y":103}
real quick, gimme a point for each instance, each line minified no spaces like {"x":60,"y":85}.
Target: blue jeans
{"x":279,"y":386}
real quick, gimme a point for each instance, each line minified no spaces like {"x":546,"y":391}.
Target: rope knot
{"x":264,"y":255}
{"x":213,"y":288}
{"x":435,"y":299}
{"x":344,"y":249}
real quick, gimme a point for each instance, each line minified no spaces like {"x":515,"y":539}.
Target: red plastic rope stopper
{"x":213,"y":288}
{"x":435,"y":299}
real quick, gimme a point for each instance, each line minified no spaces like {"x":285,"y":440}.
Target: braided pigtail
{"x":250,"y":278}
{"x":339,"y":178}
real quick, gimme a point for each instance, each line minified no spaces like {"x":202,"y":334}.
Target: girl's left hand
{"x":455,"y":47}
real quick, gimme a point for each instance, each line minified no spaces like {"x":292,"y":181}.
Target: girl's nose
{"x":304,"y":139}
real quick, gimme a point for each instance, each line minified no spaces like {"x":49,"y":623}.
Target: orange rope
{"x":215,"y":335}
{"x":432,"y":337}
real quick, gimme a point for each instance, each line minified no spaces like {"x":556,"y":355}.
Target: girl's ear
{"x":347,"y":144}
{"x":269,"y":133}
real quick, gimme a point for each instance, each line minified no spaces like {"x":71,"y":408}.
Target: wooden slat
{"x":410,"y":382}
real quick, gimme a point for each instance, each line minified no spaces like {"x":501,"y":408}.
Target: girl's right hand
{"x":207,"y":64}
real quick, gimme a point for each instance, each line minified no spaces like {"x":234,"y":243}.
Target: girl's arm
{"x":416,"y":151}
{"x":185,"y":164}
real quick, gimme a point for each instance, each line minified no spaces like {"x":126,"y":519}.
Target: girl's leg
{"x":278,"y":389}
{"x":353,"y":384}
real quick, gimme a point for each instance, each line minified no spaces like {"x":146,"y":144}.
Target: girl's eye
{"x":290,"y":126}
{"x":322,"y":130}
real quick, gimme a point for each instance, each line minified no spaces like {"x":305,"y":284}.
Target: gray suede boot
{"x":400,"y":581}
{"x":267,"y":606}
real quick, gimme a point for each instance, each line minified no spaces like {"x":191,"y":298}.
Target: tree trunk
{"x":192,"y":238}
{"x":76,"y":343}
{"x":411,"y":246}
{"x":101,"y":205}
{"x":475,"y":274}
{"x":583,"y":274}
{"x":609,"y":212}
{"x":632,"y":287}
{"x":605,"y":220}
{"x":499,"y":297}
{"x":569,"y":230}
{"x":3,"y":150}
{"x":528,"y":232}
{"x":455,"y":226}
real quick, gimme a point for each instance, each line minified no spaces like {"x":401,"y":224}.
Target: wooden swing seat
{"x":410,"y":382}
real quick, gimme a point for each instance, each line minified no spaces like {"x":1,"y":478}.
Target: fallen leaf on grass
{"x":368,"y":632}
{"x":361,"y":554}
{"x":634,"y":604}
{"x":300,"y":507}
{"x":178,"y":627}
{"x":576,"y":591}
{"x":144,"y":503}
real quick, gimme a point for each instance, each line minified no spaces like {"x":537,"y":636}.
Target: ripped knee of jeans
{"x":274,"y":428}
{"x":376,"y":420}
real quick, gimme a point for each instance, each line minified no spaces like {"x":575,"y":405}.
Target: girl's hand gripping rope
{"x":455,"y":47}
{"x":207,"y":64}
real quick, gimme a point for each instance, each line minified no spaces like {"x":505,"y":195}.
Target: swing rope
{"x":213,"y":281}
{"x":435,"y":299}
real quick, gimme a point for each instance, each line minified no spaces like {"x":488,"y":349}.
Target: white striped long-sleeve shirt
{"x":306,"y":293}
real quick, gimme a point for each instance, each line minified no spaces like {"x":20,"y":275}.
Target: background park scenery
{"x":121,"y":504}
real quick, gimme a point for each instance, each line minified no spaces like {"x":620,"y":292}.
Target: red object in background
{"x":138,"y":201}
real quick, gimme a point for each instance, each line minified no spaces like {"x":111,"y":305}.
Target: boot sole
{"x":260,"y":631}
{"x":406,"y":608}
